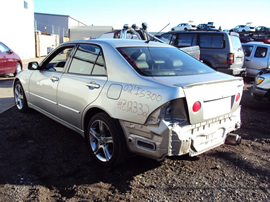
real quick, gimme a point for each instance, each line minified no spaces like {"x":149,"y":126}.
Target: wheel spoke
{"x":101,"y":128}
{"x":107,"y":153}
{"x":97,"y":148}
{"x":109,"y":140}
{"x":95,"y":134}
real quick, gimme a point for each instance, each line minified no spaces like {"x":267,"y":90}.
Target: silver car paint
{"x":141,"y":103}
{"x":259,"y":91}
{"x":255,"y":64}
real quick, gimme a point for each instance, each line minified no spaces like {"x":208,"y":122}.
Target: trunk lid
{"x":216,"y":93}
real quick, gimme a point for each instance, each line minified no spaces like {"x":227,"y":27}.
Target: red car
{"x":10,"y":62}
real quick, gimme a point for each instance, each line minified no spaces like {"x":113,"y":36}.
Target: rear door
{"x":81,"y":84}
{"x":256,"y":57}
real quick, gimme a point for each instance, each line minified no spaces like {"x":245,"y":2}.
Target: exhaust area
{"x":233,"y":139}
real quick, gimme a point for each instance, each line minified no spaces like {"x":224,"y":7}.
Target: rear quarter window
{"x":212,"y":41}
{"x":186,"y":40}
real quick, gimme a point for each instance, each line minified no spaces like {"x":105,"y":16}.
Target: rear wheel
{"x":105,"y":140}
{"x":18,"y":68}
{"x":19,"y":97}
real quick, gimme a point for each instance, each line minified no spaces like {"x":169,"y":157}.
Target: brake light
{"x":196,"y":106}
{"x":237,"y":97}
{"x":230,"y":58}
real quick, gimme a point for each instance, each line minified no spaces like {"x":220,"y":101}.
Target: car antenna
{"x":162,"y":29}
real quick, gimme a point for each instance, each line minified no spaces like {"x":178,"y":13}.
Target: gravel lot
{"x":41,"y":160}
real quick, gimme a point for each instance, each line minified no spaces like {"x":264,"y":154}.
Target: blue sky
{"x":157,"y":14}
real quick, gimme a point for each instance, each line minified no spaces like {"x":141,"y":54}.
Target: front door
{"x":44,"y":82}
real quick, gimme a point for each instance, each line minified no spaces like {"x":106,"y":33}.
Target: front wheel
{"x":19,"y":97}
{"x":106,"y":140}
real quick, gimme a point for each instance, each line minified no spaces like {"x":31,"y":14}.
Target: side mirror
{"x":33,"y":65}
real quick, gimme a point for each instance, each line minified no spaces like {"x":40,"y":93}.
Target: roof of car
{"x":256,"y":43}
{"x":120,"y":42}
{"x":197,"y":31}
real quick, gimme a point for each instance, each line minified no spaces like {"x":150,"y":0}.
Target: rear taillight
{"x":230,"y":58}
{"x":237,"y":97}
{"x":196,"y":106}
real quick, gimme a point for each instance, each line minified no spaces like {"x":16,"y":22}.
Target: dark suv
{"x":220,"y":50}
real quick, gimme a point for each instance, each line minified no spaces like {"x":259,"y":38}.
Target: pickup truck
{"x":142,"y":34}
{"x":257,"y":57}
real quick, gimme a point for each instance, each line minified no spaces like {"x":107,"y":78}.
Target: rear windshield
{"x":236,"y":43}
{"x":158,"y":61}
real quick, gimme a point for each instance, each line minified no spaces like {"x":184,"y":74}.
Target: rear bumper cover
{"x":171,"y":138}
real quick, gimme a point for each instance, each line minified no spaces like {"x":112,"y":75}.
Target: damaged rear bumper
{"x":173,"y":138}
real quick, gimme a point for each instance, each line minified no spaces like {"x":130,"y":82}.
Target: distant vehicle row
{"x":210,"y":26}
{"x":187,"y":26}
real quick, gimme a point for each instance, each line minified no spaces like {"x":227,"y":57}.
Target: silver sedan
{"x":129,"y":96}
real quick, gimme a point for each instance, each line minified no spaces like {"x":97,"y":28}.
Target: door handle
{"x":93,"y":85}
{"x":54,"y":79}
{"x":247,"y":59}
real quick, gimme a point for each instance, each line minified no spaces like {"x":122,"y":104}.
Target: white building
{"x":17,"y":26}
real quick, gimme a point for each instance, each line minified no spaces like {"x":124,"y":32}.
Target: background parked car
{"x":263,"y":38}
{"x":261,"y":87}
{"x":206,"y":27}
{"x":10,"y":62}
{"x":257,"y":57}
{"x":262,"y":29}
{"x":246,"y":37}
{"x":220,"y":50}
{"x":243,"y":28}
{"x":184,"y":27}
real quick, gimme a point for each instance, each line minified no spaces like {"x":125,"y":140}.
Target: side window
{"x":166,"y":38}
{"x":87,"y":60}
{"x":58,"y":62}
{"x":211,"y":41}
{"x":3,"y":48}
{"x":260,"y":52}
{"x":247,"y":50}
{"x":186,"y":40}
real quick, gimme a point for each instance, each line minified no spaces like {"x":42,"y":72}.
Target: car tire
{"x":106,"y":141}
{"x":19,"y":97}
{"x":18,"y":68}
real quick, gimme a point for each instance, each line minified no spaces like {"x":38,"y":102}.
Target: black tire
{"x":106,"y":141}
{"x":19,"y":97}
{"x":18,"y":68}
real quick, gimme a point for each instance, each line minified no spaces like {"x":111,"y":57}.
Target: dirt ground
{"x":40,"y":160}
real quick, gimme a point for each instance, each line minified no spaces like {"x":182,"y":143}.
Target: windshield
{"x":160,"y":61}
